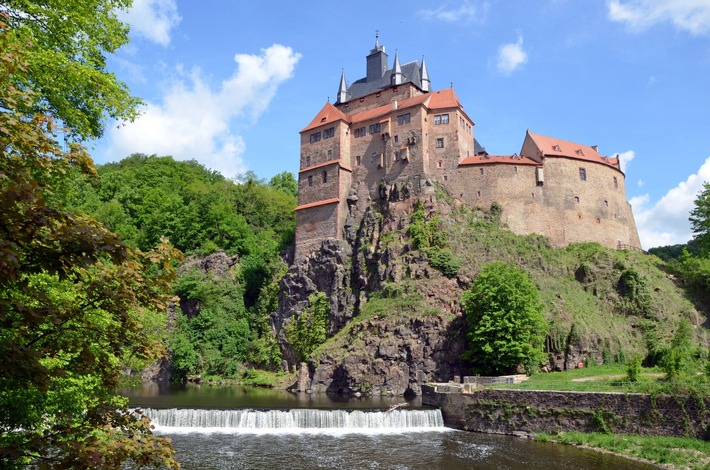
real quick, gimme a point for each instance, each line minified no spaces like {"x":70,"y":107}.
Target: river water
{"x":242,"y":428}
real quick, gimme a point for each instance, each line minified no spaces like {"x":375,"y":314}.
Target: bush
{"x":445,"y":261}
{"x":633,"y":369}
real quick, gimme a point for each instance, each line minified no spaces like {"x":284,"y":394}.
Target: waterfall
{"x":298,"y":421}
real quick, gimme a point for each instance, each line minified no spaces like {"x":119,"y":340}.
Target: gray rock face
{"x":392,"y":356}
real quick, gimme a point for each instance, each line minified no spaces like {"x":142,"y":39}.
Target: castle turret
{"x":397,"y":77}
{"x":426,"y":83}
{"x":342,"y":90}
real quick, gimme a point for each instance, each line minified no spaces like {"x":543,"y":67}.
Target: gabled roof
{"x":485,"y":159}
{"x":554,"y":147}
{"x":327,"y":115}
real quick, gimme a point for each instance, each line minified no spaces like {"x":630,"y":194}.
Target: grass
{"x":611,"y":378}
{"x":679,"y":452}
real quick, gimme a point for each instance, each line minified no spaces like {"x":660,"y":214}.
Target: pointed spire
{"x":342,"y":90}
{"x":397,"y":77}
{"x":426,"y":83}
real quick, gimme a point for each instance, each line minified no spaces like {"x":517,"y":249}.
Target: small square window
{"x":330,"y":154}
{"x":440,"y":143}
{"x":583,"y":174}
{"x":446,"y":178}
{"x":481,"y":170}
{"x":576,"y":200}
{"x":396,"y":139}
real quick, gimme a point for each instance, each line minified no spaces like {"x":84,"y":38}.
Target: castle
{"x":390,"y":130}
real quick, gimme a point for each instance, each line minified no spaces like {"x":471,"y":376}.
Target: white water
{"x":297,"y":421}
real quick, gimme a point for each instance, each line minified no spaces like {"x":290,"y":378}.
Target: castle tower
{"x":376,"y":62}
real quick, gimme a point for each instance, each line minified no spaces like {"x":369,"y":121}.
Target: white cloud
{"x":192,"y":121}
{"x":464,"y":13}
{"x":640,"y":183}
{"x":689,"y":15}
{"x":153,"y":19}
{"x":511,"y":56}
{"x":666,"y":222}
{"x":625,"y":158}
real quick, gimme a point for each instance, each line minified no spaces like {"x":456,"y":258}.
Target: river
{"x":247,"y":428}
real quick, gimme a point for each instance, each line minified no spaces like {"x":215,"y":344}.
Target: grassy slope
{"x":583,"y":313}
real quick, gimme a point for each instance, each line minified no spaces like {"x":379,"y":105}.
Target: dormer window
{"x":323,"y":119}
{"x":580,"y":152}
{"x":556,"y":148}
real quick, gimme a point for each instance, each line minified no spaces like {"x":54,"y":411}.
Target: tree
{"x":285,"y":182}
{"x":73,"y":299}
{"x":505,"y":318}
{"x":310,"y":329}
{"x":678,"y":362}
{"x":70,"y":39}
{"x":700,"y":219}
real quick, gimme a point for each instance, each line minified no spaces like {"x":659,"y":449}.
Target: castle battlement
{"x":390,"y":128}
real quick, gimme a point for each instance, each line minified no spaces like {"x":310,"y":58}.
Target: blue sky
{"x":231,"y":84}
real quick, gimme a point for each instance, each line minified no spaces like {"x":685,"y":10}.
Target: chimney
{"x":394,"y":104}
{"x":595,"y":148}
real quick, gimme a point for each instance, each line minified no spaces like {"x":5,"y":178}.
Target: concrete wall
{"x":515,"y":411}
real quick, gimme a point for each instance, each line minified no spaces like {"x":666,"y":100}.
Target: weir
{"x":175,"y":420}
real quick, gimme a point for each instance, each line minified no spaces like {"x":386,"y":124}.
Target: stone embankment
{"x":523,"y":412}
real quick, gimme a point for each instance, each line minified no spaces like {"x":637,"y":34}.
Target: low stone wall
{"x":525,"y":411}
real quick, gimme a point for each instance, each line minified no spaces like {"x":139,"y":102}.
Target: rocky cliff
{"x":396,"y":321}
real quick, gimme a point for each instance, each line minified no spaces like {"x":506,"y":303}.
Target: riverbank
{"x":668,"y":452}
{"x":663,"y":429}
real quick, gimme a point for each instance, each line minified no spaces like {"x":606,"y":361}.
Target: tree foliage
{"x":70,"y":39}
{"x":73,"y":300}
{"x":505,"y":317}
{"x":310,"y":329}
{"x":700,"y":219}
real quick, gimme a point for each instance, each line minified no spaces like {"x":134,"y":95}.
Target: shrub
{"x":445,"y":261}
{"x":633,"y":370}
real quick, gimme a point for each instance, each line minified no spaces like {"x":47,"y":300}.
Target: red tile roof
{"x":327,"y":115}
{"x":314,"y":167}
{"x":496,"y":159}
{"x":553,"y":147}
{"x":318,"y":203}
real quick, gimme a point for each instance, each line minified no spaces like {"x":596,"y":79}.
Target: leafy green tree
{"x":505,"y":317}
{"x":700,"y":219}
{"x":70,"y":39}
{"x":285,"y":182}
{"x":74,"y":299}
{"x":310,"y":329}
